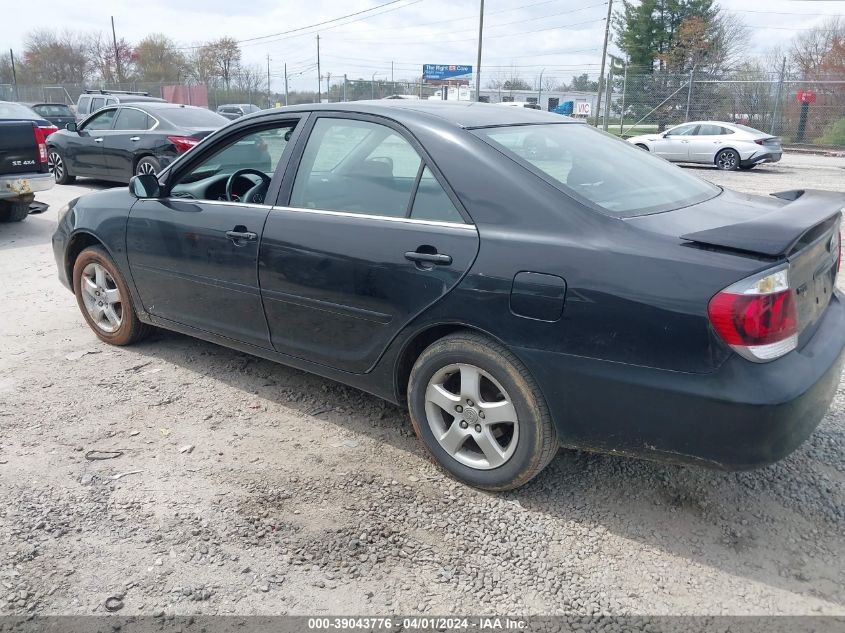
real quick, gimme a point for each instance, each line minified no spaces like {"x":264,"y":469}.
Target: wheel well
{"x":78,"y":243}
{"x":642,"y":146}
{"x":722,"y":149}
{"x":416,"y":346}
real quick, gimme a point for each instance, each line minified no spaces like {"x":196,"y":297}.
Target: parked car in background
{"x":58,"y":114}
{"x":728,"y":146}
{"x":521,"y":104}
{"x":93,"y":100}
{"x":519,"y":280}
{"x":234,"y":111}
{"x":23,"y":159}
{"x":118,"y":142}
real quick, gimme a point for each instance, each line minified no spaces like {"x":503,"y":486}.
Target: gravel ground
{"x":244,"y":487}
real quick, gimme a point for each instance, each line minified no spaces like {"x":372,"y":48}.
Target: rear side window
{"x":432,"y":203}
{"x":50,"y":109}
{"x":97,"y":103}
{"x":132,"y":119}
{"x":710,"y":130}
{"x":599,"y":169}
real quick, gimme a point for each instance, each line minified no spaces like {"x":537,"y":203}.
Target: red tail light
{"x":183,"y":143}
{"x":41,"y":134}
{"x":757,"y":316}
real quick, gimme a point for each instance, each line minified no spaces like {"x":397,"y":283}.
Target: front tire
{"x":147,"y":165}
{"x":479,"y":413}
{"x":727,"y":159}
{"x":58,"y":167}
{"x":104,"y":300}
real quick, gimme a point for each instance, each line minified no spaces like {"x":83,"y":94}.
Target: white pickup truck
{"x":23,"y":159}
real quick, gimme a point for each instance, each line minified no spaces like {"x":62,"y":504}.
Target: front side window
{"x":259,"y":151}
{"x":101,"y":121}
{"x":358,"y":167}
{"x":615,"y":176}
{"x":97,"y":103}
{"x":683,"y":130}
{"x":132,"y":119}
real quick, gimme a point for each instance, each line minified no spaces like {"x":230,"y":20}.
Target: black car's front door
{"x":84,"y":148}
{"x":193,"y":253}
{"x":368,"y":241}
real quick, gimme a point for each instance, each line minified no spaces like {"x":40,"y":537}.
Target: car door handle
{"x":428,"y":258}
{"x":237,"y":235}
{"x":98,"y":140}
{"x":134,"y":138}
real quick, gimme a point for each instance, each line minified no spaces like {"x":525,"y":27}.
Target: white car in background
{"x":728,"y":146}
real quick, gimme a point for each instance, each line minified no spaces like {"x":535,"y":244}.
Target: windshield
{"x":16,"y":111}
{"x":620,"y":179}
{"x":193,"y":117}
{"x":52,"y":109}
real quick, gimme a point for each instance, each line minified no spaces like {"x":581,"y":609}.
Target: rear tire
{"x":147,"y":165}
{"x":14,"y":210}
{"x":104,"y":299}
{"x":479,"y":413}
{"x":727,"y":159}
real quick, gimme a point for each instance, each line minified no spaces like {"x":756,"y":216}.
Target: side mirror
{"x":144,"y":186}
{"x":71,"y":127}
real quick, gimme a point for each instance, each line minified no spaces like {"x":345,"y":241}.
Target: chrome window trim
{"x":368,"y":216}
{"x":128,"y":107}
{"x":225,"y":203}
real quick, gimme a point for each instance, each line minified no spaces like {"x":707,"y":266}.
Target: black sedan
{"x":520,"y":281}
{"x":56,"y":113}
{"x":117,"y":142}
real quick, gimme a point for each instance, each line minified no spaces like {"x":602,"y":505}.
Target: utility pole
{"x":603,"y":59}
{"x":540,"y":89}
{"x":116,"y":54}
{"x":14,"y":73}
{"x":609,"y":92}
{"x":478,"y":61}
{"x":624,"y":90}
{"x":391,"y":76}
{"x":269,"y":104}
{"x":344,"y":87}
{"x":776,"y":113}
{"x":319,"y":76}
{"x":328,"y":86}
{"x":689,"y":92}
{"x":286,"y":83}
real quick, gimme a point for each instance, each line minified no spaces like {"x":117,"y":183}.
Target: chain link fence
{"x":810,"y":111}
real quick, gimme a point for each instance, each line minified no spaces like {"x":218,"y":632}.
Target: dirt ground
{"x":240,"y":486}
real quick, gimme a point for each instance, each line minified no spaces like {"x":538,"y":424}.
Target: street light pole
{"x":373,"y":85}
{"x":603,"y":59}
{"x":540,"y":89}
{"x":319,"y":76}
{"x":478,"y":61}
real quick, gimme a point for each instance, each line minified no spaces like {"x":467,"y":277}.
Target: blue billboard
{"x":444,"y":72}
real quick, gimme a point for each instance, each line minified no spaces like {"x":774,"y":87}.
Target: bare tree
{"x":227,"y":58}
{"x":251,"y":81}
{"x":101,"y":58}
{"x":201,"y":65}
{"x":810,"y":48}
{"x":56,"y":57}
{"x":158,"y":59}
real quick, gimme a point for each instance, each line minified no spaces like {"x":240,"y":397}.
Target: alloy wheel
{"x":471,"y":416}
{"x":56,"y":166}
{"x":101,"y":297}
{"x":146,"y":169}
{"x":726,"y":160}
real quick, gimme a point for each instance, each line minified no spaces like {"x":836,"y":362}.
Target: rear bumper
{"x":17,"y":185}
{"x":763,"y":156}
{"x":744,"y":415}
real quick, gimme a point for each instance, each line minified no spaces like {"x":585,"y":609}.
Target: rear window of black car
{"x":193,"y":117}
{"x":52,"y":109}
{"x":608,"y":174}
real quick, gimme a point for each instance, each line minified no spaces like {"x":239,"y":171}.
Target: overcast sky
{"x":565,"y":38}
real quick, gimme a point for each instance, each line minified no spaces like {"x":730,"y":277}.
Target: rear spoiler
{"x":807,"y":215}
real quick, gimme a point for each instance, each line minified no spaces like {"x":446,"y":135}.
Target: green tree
{"x":157,"y":58}
{"x":583,"y":83}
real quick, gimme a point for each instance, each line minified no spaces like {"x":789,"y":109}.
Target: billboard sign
{"x":582,"y":108}
{"x":446,"y":72}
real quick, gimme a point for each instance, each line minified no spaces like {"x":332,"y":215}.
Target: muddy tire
{"x":14,"y":210}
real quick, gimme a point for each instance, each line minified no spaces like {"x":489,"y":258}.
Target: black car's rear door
{"x":128,"y":139}
{"x":367,"y":240}
{"x":193,"y":253}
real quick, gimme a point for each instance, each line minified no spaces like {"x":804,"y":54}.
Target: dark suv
{"x":93,"y":100}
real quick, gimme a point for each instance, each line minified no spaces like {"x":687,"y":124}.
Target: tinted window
{"x":710,"y":130}
{"x":431,"y":201}
{"x":193,"y":117}
{"x":254,"y":150}
{"x":97,"y":103}
{"x":84,"y":103}
{"x":16,"y":111}
{"x":53,"y":110}
{"x":101,"y":121}
{"x":356,"y":166}
{"x":132,"y":119}
{"x":600,"y":169}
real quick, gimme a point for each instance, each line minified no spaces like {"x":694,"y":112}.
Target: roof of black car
{"x":29,"y":104}
{"x":465,"y":114}
{"x":166,"y":105}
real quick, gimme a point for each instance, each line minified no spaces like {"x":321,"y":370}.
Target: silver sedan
{"x":728,"y":146}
